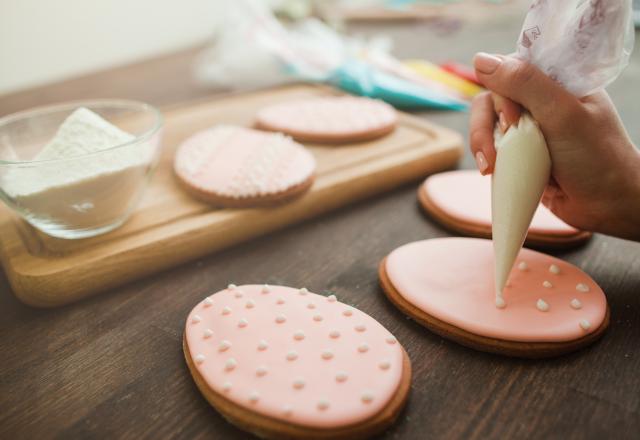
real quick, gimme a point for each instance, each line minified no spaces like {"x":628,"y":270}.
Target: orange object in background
{"x":461,"y":70}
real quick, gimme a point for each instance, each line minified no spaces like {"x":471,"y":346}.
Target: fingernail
{"x":504,"y":125}
{"x":486,"y":63}
{"x":482,"y":163}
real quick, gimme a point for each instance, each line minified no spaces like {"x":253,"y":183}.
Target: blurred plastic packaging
{"x":253,"y":49}
{"x":582,"y":44}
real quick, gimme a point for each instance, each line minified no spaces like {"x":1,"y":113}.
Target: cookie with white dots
{"x":461,"y":201}
{"x":447,"y":284}
{"x":334,"y":119}
{"x":282,"y":362}
{"x":231,"y":166}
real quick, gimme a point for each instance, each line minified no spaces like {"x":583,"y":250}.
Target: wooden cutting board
{"x":169,"y":227}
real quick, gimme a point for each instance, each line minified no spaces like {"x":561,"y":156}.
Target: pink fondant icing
{"x":312,"y":372}
{"x":452,"y":280}
{"x":329,"y":116}
{"x":240,"y":162}
{"x":466,"y":195}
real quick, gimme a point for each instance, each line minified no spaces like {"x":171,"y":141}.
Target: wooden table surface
{"x":112,"y":366}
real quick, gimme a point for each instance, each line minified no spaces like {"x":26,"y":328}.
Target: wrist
{"x":630,"y":200}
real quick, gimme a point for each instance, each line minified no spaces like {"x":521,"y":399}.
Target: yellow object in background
{"x":435,"y":73}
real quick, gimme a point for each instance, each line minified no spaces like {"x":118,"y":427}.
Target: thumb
{"x":548,"y":102}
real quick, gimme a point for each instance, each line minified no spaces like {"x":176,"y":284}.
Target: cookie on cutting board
{"x":281,"y":362}
{"x":447,"y":285}
{"x":461,"y":201}
{"x":237,"y":167}
{"x":330,"y":120}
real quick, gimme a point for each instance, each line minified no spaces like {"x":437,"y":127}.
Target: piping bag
{"x":583,"y":45}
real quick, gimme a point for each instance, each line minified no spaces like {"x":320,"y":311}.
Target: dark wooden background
{"x":112,"y":366}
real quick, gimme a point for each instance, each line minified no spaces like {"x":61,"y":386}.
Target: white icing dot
{"x":554,"y":269}
{"x":199,"y":358}
{"x":331,"y":298}
{"x":317,"y":317}
{"x":341,"y":376}
{"x":280,"y":319}
{"x":208,"y":333}
{"x":363,"y":348}
{"x":238,"y":294}
{"x":323,"y":404}
{"x":196,"y":319}
{"x":224,"y":345}
{"x":226,"y":310}
{"x":292,"y":355}
{"x":576,"y":304}
{"x":327,"y":354}
{"x":542,"y":305}
{"x":231,"y":287}
{"x":547,"y":284}
{"x":585,"y":324}
{"x":280,"y":300}
{"x":230,"y":364}
{"x":226,"y":386}
{"x":207,"y":302}
{"x":298,"y":335}
{"x":254,"y":397}
{"x":360,"y":327}
{"x":580,"y":287}
{"x":287,"y":410}
{"x":367,"y":397}
{"x":298,"y":383}
{"x":242,"y":323}
{"x":500,"y":303}
{"x":262,"y":345}
{"x":303,"y":291}
{"x":334,"y":334}
{"x":391,"y":340}
{"x":261,"y":371}
{"x":347,"y":312}
{"x":250,"y":304}
{"x":266,"y":288}
{"x":311,"y":306}
{"x":523,"y":265}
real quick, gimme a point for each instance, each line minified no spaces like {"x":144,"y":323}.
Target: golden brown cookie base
{"x":271,"y":428}
{"x":535,"y":239}
{"x":220,"y":201}
{"x":328,"y":138}
{"x":530,"y":350}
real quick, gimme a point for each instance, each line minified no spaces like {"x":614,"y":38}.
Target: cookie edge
{"x":469,"y":229}
{"x":353,"y":137}
{"x":527,"y":350}
{"x":271,"y":428}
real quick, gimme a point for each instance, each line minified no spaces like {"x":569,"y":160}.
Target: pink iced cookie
{"x":240,"y":167}
{"x":280,"y":360}
{"x":330,"y":119}
{"x":461,"y":200}
{"x":447,"y":284}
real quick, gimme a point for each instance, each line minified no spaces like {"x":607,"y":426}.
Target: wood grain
{"x":169,"y":227}
{"x":112,"y":366}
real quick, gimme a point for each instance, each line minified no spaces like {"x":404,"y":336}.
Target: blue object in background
{"x":363,"y":79}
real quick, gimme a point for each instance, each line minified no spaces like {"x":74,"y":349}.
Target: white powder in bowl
{"x":82,"y":192}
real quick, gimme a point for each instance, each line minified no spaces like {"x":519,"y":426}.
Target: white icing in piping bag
{"x":520,"y":175}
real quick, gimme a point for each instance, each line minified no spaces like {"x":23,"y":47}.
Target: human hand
{"x":595,"y":175}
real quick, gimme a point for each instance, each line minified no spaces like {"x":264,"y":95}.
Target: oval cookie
{"x":239,"y":167}
{"x":285,"y":362}
{"x":330,"y":119}
{"x":447,"y":285}
{"x":461,"y":201}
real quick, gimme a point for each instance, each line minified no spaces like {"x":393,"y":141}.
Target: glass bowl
{"x":88,"y":193}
